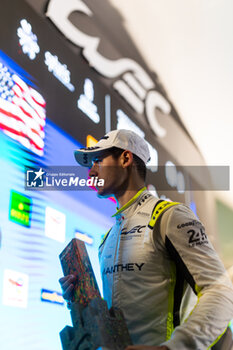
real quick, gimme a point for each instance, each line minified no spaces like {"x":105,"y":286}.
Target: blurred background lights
{"x":27,"y":39}
{"x":174,"y":178}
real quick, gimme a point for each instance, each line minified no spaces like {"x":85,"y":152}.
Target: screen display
{"x":36,"y":226}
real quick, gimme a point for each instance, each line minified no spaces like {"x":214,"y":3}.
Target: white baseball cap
{"x":124,"y":139}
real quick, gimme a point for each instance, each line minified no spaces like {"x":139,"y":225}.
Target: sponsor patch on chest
{"x":135,"y":231}
{"x":123,"y":267}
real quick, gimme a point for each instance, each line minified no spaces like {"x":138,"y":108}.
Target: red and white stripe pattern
{"x":22,"y":111}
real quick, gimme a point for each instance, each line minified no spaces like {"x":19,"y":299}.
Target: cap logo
{"x":85,"y":158}
{"x":89,"y":148}
{"x":104,"y":137}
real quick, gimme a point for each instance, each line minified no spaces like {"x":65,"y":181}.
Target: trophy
{"x":94,"y":326}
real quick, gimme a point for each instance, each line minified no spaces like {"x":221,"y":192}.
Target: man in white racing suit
{"x":156,"y":257}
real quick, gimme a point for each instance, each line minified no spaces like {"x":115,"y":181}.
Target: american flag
{"x":22,"y":111}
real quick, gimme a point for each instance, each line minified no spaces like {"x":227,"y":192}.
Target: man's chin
{"x":101,"y":193}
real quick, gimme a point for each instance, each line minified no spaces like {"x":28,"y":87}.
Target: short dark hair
{"x":140,"y":165}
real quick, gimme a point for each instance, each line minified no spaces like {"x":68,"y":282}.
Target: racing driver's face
{"x":108,"y":168}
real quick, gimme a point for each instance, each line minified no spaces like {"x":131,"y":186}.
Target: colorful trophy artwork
{"x":94,"y":326}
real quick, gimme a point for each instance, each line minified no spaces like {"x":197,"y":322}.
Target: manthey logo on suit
{"x":131,"y":81}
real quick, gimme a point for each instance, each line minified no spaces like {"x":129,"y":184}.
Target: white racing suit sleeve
{"x":194,"y":256}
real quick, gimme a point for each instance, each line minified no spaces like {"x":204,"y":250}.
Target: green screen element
{"x":20,"y":209}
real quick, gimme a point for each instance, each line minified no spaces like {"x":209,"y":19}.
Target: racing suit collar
{"x":130,"y":202}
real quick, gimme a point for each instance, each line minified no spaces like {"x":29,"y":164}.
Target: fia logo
{"x":35,"y":178}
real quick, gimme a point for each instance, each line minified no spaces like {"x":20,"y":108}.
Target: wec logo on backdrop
{"x":133,"y":83}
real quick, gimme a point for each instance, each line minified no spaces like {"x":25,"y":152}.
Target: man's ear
{"x":126,"y":158}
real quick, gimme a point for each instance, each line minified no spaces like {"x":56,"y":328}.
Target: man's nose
{"x":94,"y":170}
